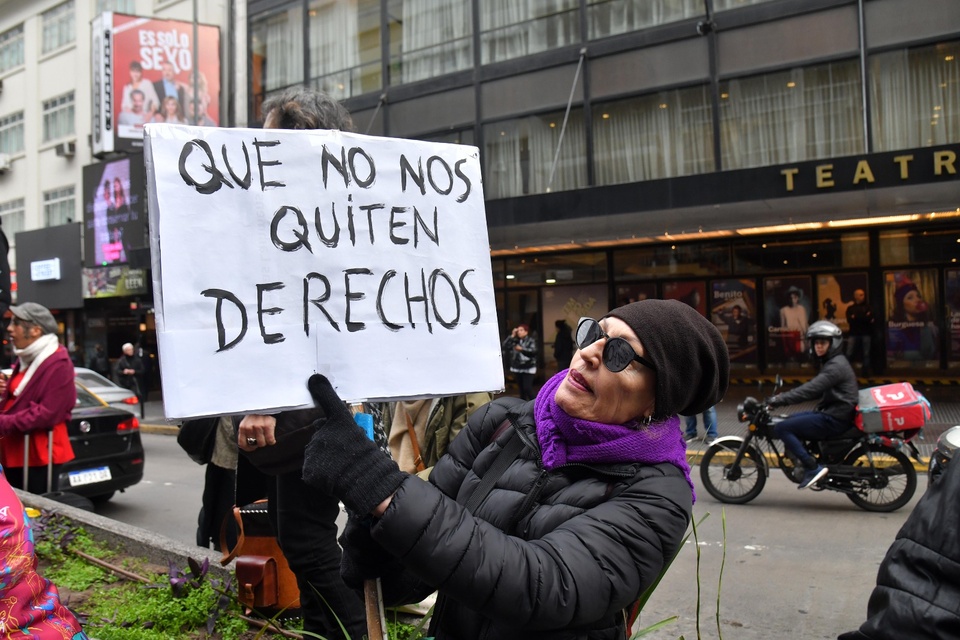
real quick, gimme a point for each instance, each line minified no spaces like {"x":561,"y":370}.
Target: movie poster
{"x":787,"y":313}
{"x":836,"y":293}
{"x":913,"y":332}
{"x":144,"y":72}
{"x":733,"y":309}
{"x":691,"y":292}
{"x":634,"y":292}
{"x":952,"y":277}
{"x":114,"y":213}
{"x":567,"y":304}
{"x":109,"y":282}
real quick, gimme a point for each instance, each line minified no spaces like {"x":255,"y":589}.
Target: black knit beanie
{"x":693,"y":366}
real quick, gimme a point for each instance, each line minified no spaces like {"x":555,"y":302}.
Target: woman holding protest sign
{"x":546,"y":518}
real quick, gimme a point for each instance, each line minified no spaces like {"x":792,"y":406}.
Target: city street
{"x":798,"y":564}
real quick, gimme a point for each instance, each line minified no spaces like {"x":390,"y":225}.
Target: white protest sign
{"x":278,"y":253}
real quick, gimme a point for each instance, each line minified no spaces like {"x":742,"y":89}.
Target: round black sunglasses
{"x":617,"y":353}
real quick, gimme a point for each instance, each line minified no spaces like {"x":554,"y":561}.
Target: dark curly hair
{"x":304,"y":108}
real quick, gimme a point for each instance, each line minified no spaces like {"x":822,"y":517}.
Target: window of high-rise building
{"x":58,"y":120}
{"x":59,"y":29}
{"x":12,"y":218}
{"x":120,"y":6}
{"x":430,"y":38}
{"x":723,"y":5}
{"x":790,"y":116}
{"x":612,"y":17}
{"x":656,"y":136}
{"x":276,"y":51}
{"x":511,"y":29}
{"x":59,"y":206}
{"x":527,"y":155}
{"x":345,"y":47}
{"x":11,"y":133}
{"x":11,"y":48}
{"x":915,"y":97}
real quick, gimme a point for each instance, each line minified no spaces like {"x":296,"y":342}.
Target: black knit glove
{"x":362,"y":559}
{"x":773,"y":402}
{"x":341,"y":461}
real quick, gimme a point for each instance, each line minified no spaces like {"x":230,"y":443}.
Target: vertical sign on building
{"x":143,"y":71}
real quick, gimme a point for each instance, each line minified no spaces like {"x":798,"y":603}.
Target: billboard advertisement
{"x":143,"y":71}
{"x":114,"y":211}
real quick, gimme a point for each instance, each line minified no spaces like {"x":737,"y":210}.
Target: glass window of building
{"x":12,"y":218}
{"x":568,"y":268}
{"x":459,"y":136}
{"x":58,"y":27}
{"x":519,"y":155}
{"x":792,"y":253}
{"x":790,"y":116}
{"x":58,"y":118}
{"x":429,"y":38}
{"x":913,"y":246}
{"x":723,"y":5}
{"x":657,"y":136}
{"x":58,"y":206}
{"x":612,"y":17}
{"x":11,"y":48}
{"x":345,"y":47}
{"x":11,"y":133}
{"x":915,"y":97}
{"x":698,"y":259}
{"x":121,"y":6}
{"x":276,"y":50}
{"x":511,"y":29}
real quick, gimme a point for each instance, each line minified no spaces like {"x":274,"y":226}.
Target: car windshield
{"x":85,"y":399}
{"x":92,"y":379}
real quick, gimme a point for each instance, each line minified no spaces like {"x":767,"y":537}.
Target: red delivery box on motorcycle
{"x":891,"y":407}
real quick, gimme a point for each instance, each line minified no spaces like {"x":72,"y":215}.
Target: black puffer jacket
{"x":835,"y":385}
{"x":918,"y":586}
{"x":592,"y":539}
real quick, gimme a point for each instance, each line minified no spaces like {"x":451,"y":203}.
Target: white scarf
{"x":33,"y":356}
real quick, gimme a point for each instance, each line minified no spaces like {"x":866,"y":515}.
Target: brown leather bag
{"x":264,"y":579}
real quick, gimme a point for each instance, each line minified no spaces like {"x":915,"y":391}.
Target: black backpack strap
{"x":507,"y":455}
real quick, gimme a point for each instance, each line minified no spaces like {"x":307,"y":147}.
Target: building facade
{"x":47,"y":113}
{"x":762,"y":160}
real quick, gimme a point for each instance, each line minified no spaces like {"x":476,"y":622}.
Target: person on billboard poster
{"x":137,"y":82}
{"x":793,"y":321}
{"x":911,"y":333}
{"x":170,"y":112}
{"x":138,"y":115}
{"x":168,"y":85}
{"x":738,"y":328}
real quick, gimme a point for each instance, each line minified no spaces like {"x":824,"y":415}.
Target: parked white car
{"x":112,"y":393}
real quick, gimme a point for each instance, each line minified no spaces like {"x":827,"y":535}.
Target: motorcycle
{"x":871,"y":469}
{"x":947,"y":445}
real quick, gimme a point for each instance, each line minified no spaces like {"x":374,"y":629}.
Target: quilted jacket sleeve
{"x":591,"y":565}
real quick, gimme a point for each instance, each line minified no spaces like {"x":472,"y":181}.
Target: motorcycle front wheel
{"x":726,"y":483}
{"x":886,"y":485}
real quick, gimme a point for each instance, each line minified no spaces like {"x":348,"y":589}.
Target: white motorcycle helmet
{"x":825,"y":330}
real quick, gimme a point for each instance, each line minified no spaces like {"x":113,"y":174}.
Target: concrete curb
{"x":135,"y":541}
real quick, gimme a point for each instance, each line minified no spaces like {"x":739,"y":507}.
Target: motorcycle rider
{"x":835,"y":385}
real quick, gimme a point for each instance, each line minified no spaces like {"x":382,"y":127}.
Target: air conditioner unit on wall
{"x":66,"y":149}
{"x":4,"y":162}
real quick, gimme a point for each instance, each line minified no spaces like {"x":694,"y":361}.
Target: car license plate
{"x":89,"y":476}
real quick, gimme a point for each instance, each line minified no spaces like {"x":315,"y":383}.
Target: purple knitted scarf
{"x":565,"y":439}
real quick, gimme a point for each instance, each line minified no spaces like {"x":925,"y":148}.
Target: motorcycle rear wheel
{"x":732,"y":485}
{"x":892,"y":487}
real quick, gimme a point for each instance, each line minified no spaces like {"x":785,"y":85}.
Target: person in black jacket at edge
{"x":591,"y":507}
{"x":918,"y":585}
{"x":835,"y":385}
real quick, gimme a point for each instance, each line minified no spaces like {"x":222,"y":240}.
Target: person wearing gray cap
{"x":36,"y":399}
{"x":546,"y":518}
